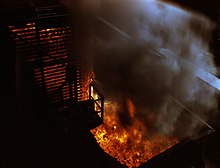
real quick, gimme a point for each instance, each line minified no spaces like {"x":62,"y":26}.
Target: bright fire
{"x":128,"y":146}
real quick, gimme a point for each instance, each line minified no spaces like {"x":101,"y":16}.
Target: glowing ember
{"x":128,"y":146}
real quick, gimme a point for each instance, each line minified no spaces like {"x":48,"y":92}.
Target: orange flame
{"x":130,"y":107}
{"x":85,"y":85}
{"x":128,"y":146}
{"x":131,"y":146}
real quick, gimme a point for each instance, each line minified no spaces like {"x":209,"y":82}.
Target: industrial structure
{"x":43,"y":45}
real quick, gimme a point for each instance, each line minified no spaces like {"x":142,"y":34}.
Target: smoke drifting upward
{"x":133,"y":45}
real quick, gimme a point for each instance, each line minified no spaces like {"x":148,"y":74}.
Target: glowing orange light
{"x":128,"y":146}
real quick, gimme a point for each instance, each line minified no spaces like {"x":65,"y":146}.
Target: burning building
{"x":111,"y":84}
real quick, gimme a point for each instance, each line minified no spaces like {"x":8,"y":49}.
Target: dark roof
{"x":205,"y":7}
{"x":24,"y":8}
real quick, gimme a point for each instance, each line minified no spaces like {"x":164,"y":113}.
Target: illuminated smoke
{"x":133,"y":63}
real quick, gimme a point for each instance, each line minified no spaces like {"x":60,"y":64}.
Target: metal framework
{"x":98,"y":99}
{"x":49,"y":42}
{"x":44,"y":43}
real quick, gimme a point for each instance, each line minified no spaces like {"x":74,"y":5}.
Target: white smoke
{"x":133,"y":43}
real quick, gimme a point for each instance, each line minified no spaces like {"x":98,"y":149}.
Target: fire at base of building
{"x":127,"y":145}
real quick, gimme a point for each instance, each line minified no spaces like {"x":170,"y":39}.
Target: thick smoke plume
{"x":133,"y":41}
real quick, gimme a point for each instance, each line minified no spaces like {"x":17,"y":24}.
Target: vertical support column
{"x":40,"y":57}
{"x":76,"y":64}
{"x":102,"y":109}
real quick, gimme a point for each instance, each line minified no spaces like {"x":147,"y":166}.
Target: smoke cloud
{"x":132,"y":44}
